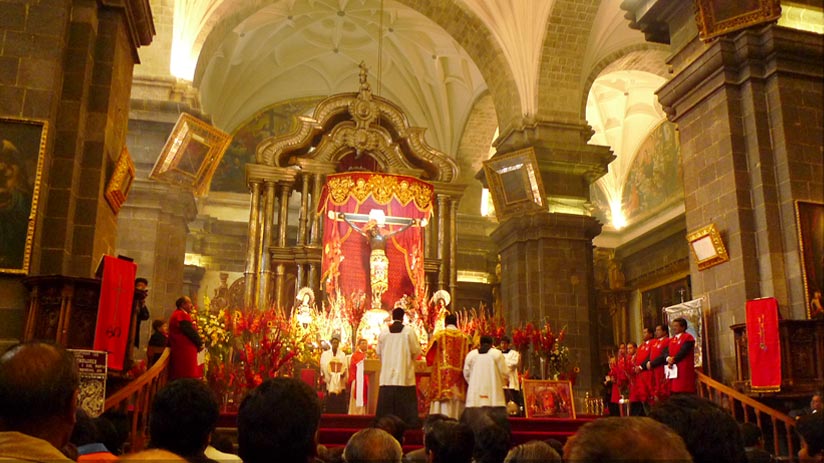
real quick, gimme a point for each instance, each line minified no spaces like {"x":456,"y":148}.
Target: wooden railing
{"x":777,"y":428}
{"x":135,"y":400}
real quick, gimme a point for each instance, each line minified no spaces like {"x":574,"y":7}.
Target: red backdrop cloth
{"x":114,"y":310}
{"x":763,"y":346}
{"x":348,"y":251}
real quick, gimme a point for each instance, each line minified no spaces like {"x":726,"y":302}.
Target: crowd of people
{"x":278,"y":422}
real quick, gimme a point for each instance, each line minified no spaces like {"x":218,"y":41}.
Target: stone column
{"x":453,"y":246}
{"x":748,"y":109}
{"x":442,"y":244}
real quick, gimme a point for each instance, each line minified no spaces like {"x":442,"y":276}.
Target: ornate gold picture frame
{"x":809,"y":218}
{"x":707,"y":247}
{"x":191,"y":155}
{"x":718,"y":17}
{"x":121,"y":182}
{"x":22,"y":149}
{"x":515,"y":183}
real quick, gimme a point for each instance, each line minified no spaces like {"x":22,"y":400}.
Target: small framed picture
{"x":718,"y":17}
{"x":548,"y":399}
{"x":121,"y":182}
{"x":515,"y":183}
{"x":707,"y":247}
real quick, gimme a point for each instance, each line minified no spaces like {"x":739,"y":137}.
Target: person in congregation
{"x":532,"y":452}
{"x":398,"y":347}
{"x":634,"y":438}
{"x":512,"y":387}
{"x":419,"y":455}
{"x":816,"y":406}
{"x":448,"y":441}
{"x":158,"y":341}
{"x":358,"y":383}
{"x":710,"y":433}
{"x":278,"y":421}
{"x":446,"y":354}
{"x":486,"y":373}
{"x":184,"y":342}
{"x":372,"y":445}
{"x":754,"y":444}
{"x":184,"y":415}
{"x":811,"y":430}
{"x":38,"y":401}
{"x":333,"y":369}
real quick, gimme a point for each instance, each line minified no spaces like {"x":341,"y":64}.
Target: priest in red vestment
{"x":446,"y":355}
{"x":184,"y":342}
{"x":358,"y":383}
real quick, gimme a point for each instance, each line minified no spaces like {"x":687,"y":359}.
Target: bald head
{"x":371,"y":445}
{"x":38,"y":385}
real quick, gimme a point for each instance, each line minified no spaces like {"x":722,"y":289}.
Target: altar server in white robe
{"x":486,"y":373}
{"x":333,"y":367}
{"x":512,"y":386}
{"x":398,"y":348}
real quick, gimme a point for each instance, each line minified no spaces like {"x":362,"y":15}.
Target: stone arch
{"x":559,"y":80}
{"x":473,"y":150}
{"x":647,"y":57}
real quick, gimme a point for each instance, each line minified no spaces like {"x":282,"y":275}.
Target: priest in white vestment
{"x":398,"y":348}
{"x":333,"y":368}
{"x":486,"y":374}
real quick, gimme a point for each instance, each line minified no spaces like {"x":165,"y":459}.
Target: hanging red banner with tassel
{"x":114,"y":310}
{"x":763,"y":345}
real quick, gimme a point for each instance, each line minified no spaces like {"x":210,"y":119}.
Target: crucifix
{"x":377,"y":235}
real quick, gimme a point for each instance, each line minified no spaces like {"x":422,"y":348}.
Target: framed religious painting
{"x":810,"y":221}
{"x":22,"y":148}
{"x":663,"y":293}
{"x":718,"y":17}
{"x":515,"y":183}
{"x":548,"y":399}
{"x":191,"y":155}
{"x":121,"y":182}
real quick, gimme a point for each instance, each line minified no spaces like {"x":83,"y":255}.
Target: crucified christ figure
{"x":377,"y":236}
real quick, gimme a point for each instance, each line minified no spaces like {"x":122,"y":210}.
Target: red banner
{"x":114,"y":310}
{"x":763,"y":346}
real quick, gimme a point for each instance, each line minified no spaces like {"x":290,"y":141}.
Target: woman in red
{"x":184,"y":342}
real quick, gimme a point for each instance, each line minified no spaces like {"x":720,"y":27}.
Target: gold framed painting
{"x":718,"y":17}
{"x":515,"y":183}
{"x":548,"y":399}
{"x":810,"y":222}
{"x":191,"y":155}
{"x":22,"y":149}
{"x":121,"y":182}
{"x":707,"y":247}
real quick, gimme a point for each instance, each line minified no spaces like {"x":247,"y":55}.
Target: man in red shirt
{"x":659,"y":389}
{"x":680,"y":360}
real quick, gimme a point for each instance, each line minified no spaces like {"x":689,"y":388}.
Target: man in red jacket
{"x":679,"y":359}
{"x":640,"y":392}
{"x":658,"y":384}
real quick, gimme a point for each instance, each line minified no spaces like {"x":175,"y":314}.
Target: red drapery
{"x":346,"y":253}
{"x":114,"y":310}
{"x":763,"y":346}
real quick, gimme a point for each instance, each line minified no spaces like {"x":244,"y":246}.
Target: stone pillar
{"x":442,"y":243}
{"x":453,"y":246}
{"x":748,"y":109}
{"x":153,"y":226}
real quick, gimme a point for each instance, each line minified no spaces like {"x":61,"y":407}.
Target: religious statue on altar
{"x":375,"y":232}
{"x":440,"y":301}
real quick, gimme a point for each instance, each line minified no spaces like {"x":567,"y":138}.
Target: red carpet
{"x":336,"y":430}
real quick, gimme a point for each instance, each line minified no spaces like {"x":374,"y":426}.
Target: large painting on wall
{"x":654,"y":299}
{"x":654,"y":182}
{"x":810,"y":217}
{"x":230,"y":175}
{"x":22,"y":147}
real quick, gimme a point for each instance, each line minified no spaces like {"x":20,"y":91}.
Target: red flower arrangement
{"x":477,"y":323}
